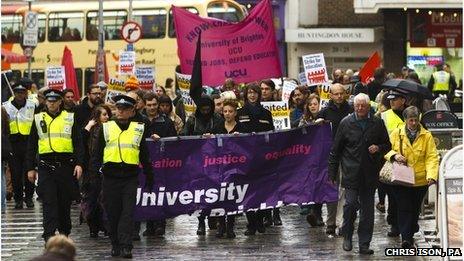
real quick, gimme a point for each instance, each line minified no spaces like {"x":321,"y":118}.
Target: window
{"x":64,"y":27}
{"x":79,"y":79}
{"x":88,"y":77}
{"x":172,"y":30}
{"x":153,"y":22}
{"x":38,"y":76}
{"x":112,"y":23}
{"x":11,"y":28}
{"x":42,"y":22}
{"x":224,"y":11}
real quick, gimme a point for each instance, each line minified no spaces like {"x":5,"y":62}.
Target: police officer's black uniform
{"x":57,"y":186}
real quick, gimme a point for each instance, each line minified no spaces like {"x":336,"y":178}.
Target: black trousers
{"x":362,"y":199}
{"x":93,"y":212}
{"x":119,"y":196}
{"x":255,"y":219}
{"x":57,"y":188}
{"x":392,"y":211}
{"x":409,"y":200}
{"x":21,"y":185}
{"x":381,"y":191}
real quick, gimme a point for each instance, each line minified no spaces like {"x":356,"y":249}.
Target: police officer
{"x":20,"y":110}
{"x":56,"y":139}
{"x":255,"y":118}
{"x":121,"y":147}
{"x":441,"y":82}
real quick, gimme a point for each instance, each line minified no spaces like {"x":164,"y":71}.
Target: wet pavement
{"x":295,"y":240}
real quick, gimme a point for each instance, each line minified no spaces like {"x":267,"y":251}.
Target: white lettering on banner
{"x":227,"y":192}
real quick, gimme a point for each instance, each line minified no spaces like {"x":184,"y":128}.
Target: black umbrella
{"x":408,"y":87}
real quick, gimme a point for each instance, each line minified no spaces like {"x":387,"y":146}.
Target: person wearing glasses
{"x":84,"y":110}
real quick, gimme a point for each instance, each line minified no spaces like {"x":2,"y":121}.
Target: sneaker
{"x":29,"y":203}
{"x":19,"y":204}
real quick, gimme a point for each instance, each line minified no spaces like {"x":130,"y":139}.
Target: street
{"x":22,"y":229}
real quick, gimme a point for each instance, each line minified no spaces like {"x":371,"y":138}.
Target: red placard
{"x":438,"y":29}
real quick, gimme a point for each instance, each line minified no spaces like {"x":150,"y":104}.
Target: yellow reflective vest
{"x":441,"y":81}
{"x":391,"y":120}
{"x":122,"y":146}
{"x":20,"y":120}
{"x":55,"y":133}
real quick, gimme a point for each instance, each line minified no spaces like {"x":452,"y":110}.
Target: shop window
{"x":172,"y":29}
{"x":153,"y":22}
{"x":65,"y":27}
{"x":112,"y":23}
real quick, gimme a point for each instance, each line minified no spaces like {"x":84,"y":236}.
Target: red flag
{"x":70,"y":73}
{"x":100,"y":66}
{"x":367,"y":71}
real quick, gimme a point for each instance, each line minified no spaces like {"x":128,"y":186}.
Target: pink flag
{"x":70,"y":73}
{"x":245,"y":51}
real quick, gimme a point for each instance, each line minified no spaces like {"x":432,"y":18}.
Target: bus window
{"x":42,"y":21}
{"x":78,"y":72}
{"x":224,"y":11}
{"x":63,"y":27}
{"x":172,"y":30}
{"x":38,"y":76}
{"x":153,"y":22}
{"x":88,"y":77}
{"x":11,"y":28}
{"x":112,"y":23}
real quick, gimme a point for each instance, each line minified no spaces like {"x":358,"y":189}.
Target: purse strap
{"x":401,"y":144}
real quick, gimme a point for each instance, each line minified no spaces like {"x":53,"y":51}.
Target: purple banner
{"x":233,"y":174}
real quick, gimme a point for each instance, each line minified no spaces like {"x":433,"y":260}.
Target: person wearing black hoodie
{"x":255,"y":118}
{"x":203,"y":122}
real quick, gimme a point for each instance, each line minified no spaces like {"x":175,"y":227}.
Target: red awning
{"x":11,"y":57}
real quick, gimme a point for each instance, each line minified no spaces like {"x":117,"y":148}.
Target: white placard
{"x":31,"y":29}
{"x":183,"y":80}
{"x":55,"y":77}
{"x":280,"y":114}
{"x":315,"y":69}
{"x":287,"y":90}
{"x":146,"y":76}
{"x":126,"y":62}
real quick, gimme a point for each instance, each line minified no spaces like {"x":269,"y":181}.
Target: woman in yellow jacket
{"x":418,"y":151}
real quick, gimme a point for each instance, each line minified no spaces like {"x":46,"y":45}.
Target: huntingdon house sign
{"x":333,"y":35}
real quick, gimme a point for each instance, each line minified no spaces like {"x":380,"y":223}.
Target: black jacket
{"x":350,"y":149}
{"x":255,"y":123}
{"x":82,"y":113}
{"x":198,"y":124}
{"x":335,"y":114}
{"x":162,"y":126}
{"x":373,"y":88}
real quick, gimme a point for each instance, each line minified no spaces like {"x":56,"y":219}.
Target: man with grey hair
{"x":359,"y":146}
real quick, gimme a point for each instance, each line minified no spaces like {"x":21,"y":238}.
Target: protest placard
{"x":183,"y":81}
{"x":302,"y":78}
{"x":146,"y":76}
{"x":126,"y":62}
{"x":115,"y":87}
{"x":315,"y":70}
{"x":280,"y":114}
{"x":287,"y":90}
{"x":324,"y":94}
{"x":55,"y":76}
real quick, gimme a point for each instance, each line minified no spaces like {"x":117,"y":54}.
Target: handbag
{"x":386,"y":173}
{"x":402,"y":174}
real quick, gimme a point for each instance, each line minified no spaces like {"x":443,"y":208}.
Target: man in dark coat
{"x":359,"y":146}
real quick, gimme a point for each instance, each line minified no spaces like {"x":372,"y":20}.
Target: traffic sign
{"x":31,"y":29}
{"x":28,"y":51}
{"x":131,"y":32}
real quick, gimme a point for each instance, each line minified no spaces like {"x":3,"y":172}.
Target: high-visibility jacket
{"x":20,"y":120}
{"x":391,"y":120}
{"x":55,"y":133}
{"x":122,"y":146}
{"x":441,"y":81}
